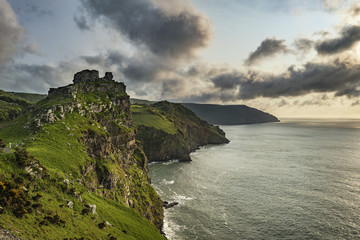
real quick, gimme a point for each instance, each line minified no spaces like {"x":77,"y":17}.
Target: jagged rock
{"x":167,"y":205}
{"x":66,"y":182}
{"x":5,"y":234}
{"x":70,"y":204}
{"x":86,"y":76}
{"x":34,"y":169}
{"x":109,"y":76}
{"x":92,"y":208}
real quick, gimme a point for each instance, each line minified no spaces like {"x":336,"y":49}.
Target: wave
{"x":164,"y":181}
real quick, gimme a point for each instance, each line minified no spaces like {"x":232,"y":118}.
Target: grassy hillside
{"x":76,"y":149}
{"x":223,"y":114}
{"x":171,"y":131}
{"x":11,"y":105}
{"x":230,"y":114}
{"x":30,"y":97}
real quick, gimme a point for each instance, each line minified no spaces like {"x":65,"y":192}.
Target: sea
{"x":297,"y":179}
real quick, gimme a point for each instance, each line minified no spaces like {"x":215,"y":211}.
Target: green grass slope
{"x":11,"y":105}
{"x":171,"y":131}
{"x":230,"y":114}
{"x":30,"y":97}
{"x":74,"y":152}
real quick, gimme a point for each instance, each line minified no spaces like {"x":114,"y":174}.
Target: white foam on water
{"x":171,"y":162}
{"x":166,"y":182}
{"x":170,"y":228}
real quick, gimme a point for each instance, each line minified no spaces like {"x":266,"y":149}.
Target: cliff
{"x":171,"y":131}
{"x":230,"y":114}
{"x":78,"y":171}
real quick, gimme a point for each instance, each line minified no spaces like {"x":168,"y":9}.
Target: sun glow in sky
{"x":292,"y":58}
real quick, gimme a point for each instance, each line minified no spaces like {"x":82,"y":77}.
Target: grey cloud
{"x":356,"y":103}
{"x":35,"y":78}
{"x":355,"y":10}
{"x":228,"y":80}
{"x":349,"y":36}
{"x":32,"y":49}
{"x":39,"y":11}
{"x":336,"y":77}
{"x":282,"y":103}
{"x":82,"y":22}
{"x":107,"y":60}
{"x":332,"y":5}
{"x":268,"y":47}
{"x":12,"y":33}
{"x":303,"y":44}
{"x":165,"y":33}
{"x":141,"y":68}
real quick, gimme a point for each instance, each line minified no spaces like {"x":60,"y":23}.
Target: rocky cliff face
{"x":171,"y":131}
{"x":100,"y":109}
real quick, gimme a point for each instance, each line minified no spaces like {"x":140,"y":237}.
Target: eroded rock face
{"x":86,"y":76}
{"x":114,"y":171}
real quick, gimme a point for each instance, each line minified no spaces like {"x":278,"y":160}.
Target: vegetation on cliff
{"x":78,"y":171}
{"x":230,"y":114}
{"x":171,"y":131}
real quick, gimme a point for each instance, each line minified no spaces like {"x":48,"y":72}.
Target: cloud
{"x":332,"y":5}
{"x":268,"y":47}
{"x":303,"y":44}
{"x":81,"y":22}
{"x":32,"y":48}
{"x":36,"y":78}
{"x":313,"y":77}
{"x":171,"y":29}
{"x":39,"y":11}
{"x":336,"y":77}
{"x":12,"y":33}
{"x":349,"y":36}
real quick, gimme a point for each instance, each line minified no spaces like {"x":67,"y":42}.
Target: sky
{"x":292,"y":58}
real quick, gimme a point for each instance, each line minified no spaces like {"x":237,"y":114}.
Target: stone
{"x":86,"y":76}
{"x":66,"y":181}
{"x":92,"y":208}
{"x":70,"y":204}
{"x":169,"y":205}
{"x":109,"y":76}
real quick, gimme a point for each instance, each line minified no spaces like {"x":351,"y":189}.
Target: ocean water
{"x":298,"y":179}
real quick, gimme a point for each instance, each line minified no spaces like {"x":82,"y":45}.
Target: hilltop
{"x":171,"y":131}
{"x":230,"y":114}
{"x":77,"y":171}
{"x":223,"y":114}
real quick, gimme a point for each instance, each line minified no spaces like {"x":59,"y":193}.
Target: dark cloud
{"x":336,"y":77}
{"x":227,"y":80}
{"x":303,"y":44}
{"x":12,"y":33}
{"x":36,"y":78}
{"x":82,"y":22}
{"x":165,"y":31}
{"x":268,"y":47}
{"x":349,"y":36}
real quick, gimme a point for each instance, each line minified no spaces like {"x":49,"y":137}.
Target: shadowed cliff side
{"x":171,"y":131}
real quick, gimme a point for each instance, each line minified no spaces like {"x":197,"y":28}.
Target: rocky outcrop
{"x":189,"y":132}
{"x":118,"y":169}
{"x":6,"y":234}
